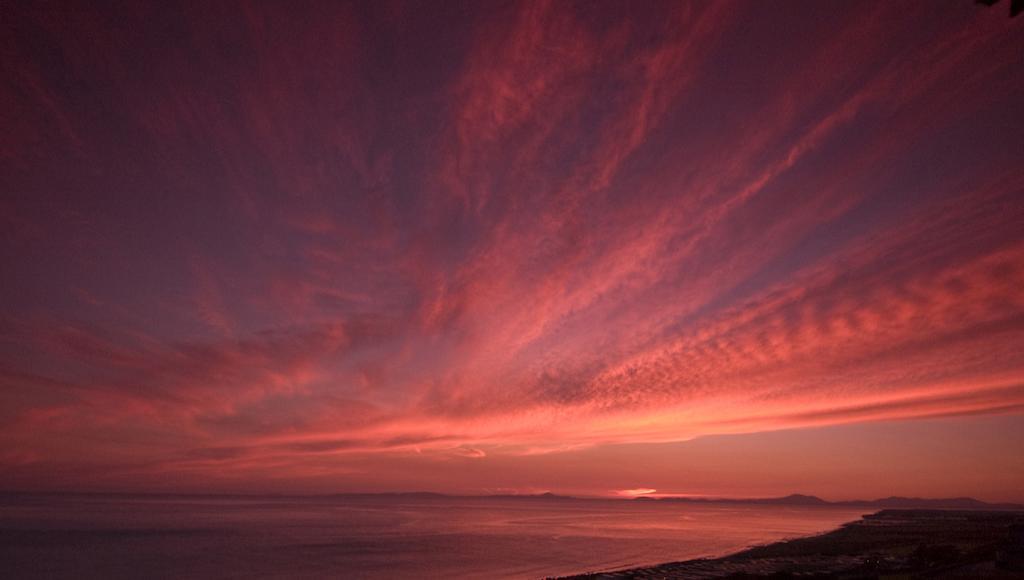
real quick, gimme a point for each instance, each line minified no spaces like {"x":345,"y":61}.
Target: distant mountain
{"x":793,"y":499}
{"x":797,"y":499}
{"x":885,"y":503}
{"x":410,"y":494}
{"x":547,"y":495}
{"x":434,"y":495}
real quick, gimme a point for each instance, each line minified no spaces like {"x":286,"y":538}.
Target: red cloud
{"x":331,"y":246}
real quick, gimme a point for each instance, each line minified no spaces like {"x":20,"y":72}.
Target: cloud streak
{"x":310,"y":245}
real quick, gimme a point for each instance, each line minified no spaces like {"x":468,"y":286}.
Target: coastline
{"x":910,"y":542}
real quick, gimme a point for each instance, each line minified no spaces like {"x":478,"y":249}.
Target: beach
{"x":898,"y":543}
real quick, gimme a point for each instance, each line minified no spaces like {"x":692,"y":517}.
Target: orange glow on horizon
{"x":634,"y":493}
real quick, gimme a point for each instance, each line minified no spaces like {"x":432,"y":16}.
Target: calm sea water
{"x":164,"y":537}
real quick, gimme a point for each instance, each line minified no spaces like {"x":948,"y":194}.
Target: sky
{"x":710,"y":248}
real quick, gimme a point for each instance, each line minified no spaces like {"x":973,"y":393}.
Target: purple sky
{"x":721,"y":248}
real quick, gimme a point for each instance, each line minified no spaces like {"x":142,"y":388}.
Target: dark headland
{"x":893,"y":543}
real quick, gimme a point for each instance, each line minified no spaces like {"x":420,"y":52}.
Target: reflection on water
{"x":374,"y":537}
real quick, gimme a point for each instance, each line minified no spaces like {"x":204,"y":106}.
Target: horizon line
{"x":540,"y":495}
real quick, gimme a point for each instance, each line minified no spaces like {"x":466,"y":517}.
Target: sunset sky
{"x":741,"y":249}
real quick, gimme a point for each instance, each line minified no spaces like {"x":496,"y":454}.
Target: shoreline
{"x":911,"y":542}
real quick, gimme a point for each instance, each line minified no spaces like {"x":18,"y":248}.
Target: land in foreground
{"x":902,"y":543}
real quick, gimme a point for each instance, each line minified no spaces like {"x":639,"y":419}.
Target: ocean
{"x":374,"y":537}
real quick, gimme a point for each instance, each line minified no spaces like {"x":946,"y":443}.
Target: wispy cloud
{"x":318,"y":243}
